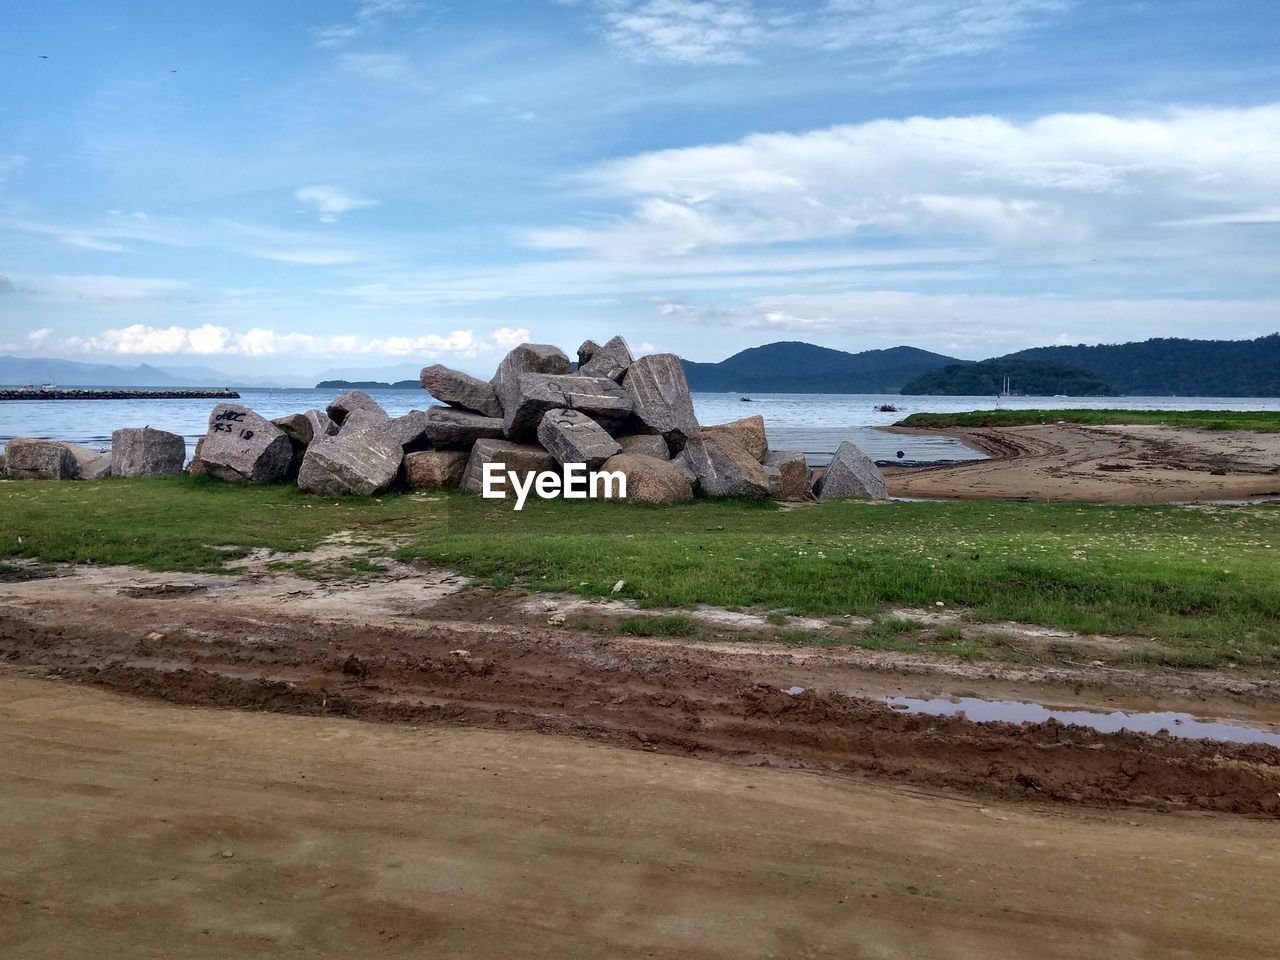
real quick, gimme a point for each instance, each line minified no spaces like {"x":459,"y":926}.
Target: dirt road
{"x":140,"y":829}
{"x":1111,"y":464}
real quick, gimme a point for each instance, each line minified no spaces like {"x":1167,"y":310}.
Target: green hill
{"x":1029,"y":377}
{"x":793,"y":367}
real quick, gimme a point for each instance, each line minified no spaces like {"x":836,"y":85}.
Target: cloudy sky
{"x":294,"y":186}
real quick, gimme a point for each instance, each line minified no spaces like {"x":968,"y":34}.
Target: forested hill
{"x":1030,"y":377}
{"x":1175,"y":367}
{"x":793,"y":367}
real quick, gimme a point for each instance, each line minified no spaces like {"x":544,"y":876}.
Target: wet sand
{"x":1109,"y":464}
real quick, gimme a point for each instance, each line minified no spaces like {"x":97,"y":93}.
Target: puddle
{"x":1182,"y":725}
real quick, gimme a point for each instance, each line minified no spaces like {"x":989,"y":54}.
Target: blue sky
{"x":289,"y":187}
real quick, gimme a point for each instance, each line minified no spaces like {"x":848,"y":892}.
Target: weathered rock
{"x":526,"y":358}
{"x":649,"y":479}
{"x":357,"y":462}
{"x":725,"y":468}
{"x":39,"y":460}
{"x":196,"y":467}
{"x":430,"y":469}
{"x":749,"y":431}
{"x":611,"y":360}
{"x":302,"y":428}
{"x":452,"y":429}
{"x":243,"y":447}
{"x":521,"y":458}
{"x":90,"y":464}
{"x":4,"y":466}
{"x":851,"y":475}
{"x":681,"y":464}
{"x":774,"y":476}
{"x":409,"y":430}
{"x":352,"y":400}
{"x":586,"y":352}
{"x":599,"y":398}
{"x":660,"y":393}
{"x":144,"y":452}
{"x":572,"y":437}
{"x":645,"y":445}
{"x":461,"y":390}
{"x":794,"y":472}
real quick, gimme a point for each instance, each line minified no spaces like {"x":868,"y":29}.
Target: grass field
{"x":1205,"y":419}
{"x":1204,"y":582}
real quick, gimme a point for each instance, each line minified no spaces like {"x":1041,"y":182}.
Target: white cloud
{"x":330,"y":202}
{"x":213,"y":340}
{"x":367,"y":16}
{"x":1051,"y":183}
{"x":94,"y":288}
{"x":739,"y":31}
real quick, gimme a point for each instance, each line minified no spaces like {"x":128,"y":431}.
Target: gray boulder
{"x":90,"y":464}
{"x":660,"y":394}
{"x":599,"y":398}
{"x":526,"y":358}
{"x":39,"y":460}
{"x":793,"y":471}
{"x":749,"y":431}
{"x":432,"y":469}
{"x":725,"y":468}
{"x":409,"y":430}
{"x":354,"y":463}
{"x":851,"y":475}
{"x":774,"y":476}
{"x":681,"y":464}
{"x":144,"y":452}
{"x":522,"y":458}
{"x":586,"y":352}
{"x":302,"y":428}
{"x":450,"y":429}
{"x":4,"y":466}
{"x":572,"y":437}
{"x":461,"y":390}
{"x":650,"y":480}
{"x":195,"y":468}
{"x":352,"y":400}
{"x":243,"y":447}
{"x":611,"y":360}
{"x":645,"y":445}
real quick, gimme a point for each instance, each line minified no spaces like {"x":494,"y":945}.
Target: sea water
{"x":814,"y":423}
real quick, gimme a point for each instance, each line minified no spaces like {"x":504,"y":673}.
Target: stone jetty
{"x":539,"y":415}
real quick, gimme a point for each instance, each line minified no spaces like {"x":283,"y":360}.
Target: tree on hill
{"x":1028,"y":377}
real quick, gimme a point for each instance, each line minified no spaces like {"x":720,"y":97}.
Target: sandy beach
{"x":1100,"y":464}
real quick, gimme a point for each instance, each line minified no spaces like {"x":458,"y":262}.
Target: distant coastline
{"x":368,"y":385}
{"x":76,"y":393}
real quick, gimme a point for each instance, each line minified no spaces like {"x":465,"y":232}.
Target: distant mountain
{"x":19,"y":371}
{"x":793,"y":367}
{"x":400,"y":371}
{"x":1170,"y":366}
{"x":368,"y":385}
{"x":1033,"y":378}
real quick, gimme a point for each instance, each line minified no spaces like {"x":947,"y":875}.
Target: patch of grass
{"x":1205,"y":419}
{"x":776,"y":618}
{"x":950,"y":634}
{"x":673,"y":625}
{"x":1203,"y":582}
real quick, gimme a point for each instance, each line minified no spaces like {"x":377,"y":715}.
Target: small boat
{"x":746,"y":400}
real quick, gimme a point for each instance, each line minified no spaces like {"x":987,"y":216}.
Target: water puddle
{"x":1182,"y":725}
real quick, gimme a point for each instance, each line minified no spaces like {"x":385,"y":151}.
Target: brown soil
{"x":1112,"y":464}
{"x":419,"y":649}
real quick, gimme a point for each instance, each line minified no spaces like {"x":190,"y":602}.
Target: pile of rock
{"x":140,"y":452}
{"x":612,"y":413}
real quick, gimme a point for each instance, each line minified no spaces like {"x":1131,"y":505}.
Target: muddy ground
{"x":422,"y":648}
{"x":1105,"y":464}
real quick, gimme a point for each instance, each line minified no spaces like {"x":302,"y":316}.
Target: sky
{"x":289,"y":187}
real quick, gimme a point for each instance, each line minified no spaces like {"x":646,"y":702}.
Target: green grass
{"x":1203,"y":583}
{"x":671,"y":625}
{"x":1204,"y":419}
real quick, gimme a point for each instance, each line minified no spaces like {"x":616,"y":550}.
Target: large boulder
{"x":646,"y":445}
{"x":302,"y":428}
{"x":356,"y":463}
{"x":243,"y":447}
{"x":90,"y":464}
{"x":725,"y":468}
{"x":452,"y":429}
{"x":660,"y":394}
{"x":749,"y":431}
{"x":526,"y":358}
{"x":39,"y":460}
{"x":851,"y":475}
{"x":682,"y":464}
{"x":4,"y":466}
{"x":349,"y":402}
{"x":794,"y":473}
{"x":196,"y":468}
{"x":520,"y":458}
{"x":650,"y":480}
{"x":586,"y":352}
{"x":611,"y":360}
{"x":459,"y":389}
{"x":409,"y":430}
{"x":599,"y":398}
{"x":431,"y":469}
{"x":572,"y":437}
{"x":144,"y":452}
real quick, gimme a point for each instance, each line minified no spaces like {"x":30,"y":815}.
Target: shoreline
{"x":90,"y":393}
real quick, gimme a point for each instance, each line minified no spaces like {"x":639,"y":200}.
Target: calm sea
{"x":814,"y":423}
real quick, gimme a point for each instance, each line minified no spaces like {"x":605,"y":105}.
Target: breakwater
{"x":36,"y":393}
